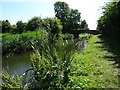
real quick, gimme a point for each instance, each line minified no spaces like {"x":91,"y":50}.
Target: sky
{"x":15,"y":10}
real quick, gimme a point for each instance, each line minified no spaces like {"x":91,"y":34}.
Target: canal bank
{"x":19,"y":63}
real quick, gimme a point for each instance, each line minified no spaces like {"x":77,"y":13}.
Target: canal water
{"x":21,"y":62}
{"x":17,"y":63}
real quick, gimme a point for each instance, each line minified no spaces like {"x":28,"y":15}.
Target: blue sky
{"x":15,"y":10}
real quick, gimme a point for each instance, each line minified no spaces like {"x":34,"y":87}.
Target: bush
{"x":68,"y":36}
{"x":52,"y":25}
{"x":17,"y":43}
{"x":84,"y":36}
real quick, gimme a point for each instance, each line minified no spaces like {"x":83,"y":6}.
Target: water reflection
{"x":17,"y":63}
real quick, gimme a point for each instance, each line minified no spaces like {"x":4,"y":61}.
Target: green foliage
{"x":51,"y":63}
{"x":108,"y":23}
{"x":67,"y":36}
{"x":17,"y":43}
{"x":6,"y":26}
{"x":84,"y":25}
{"x":52,"y":25}
{"x":62,"y":11}
{"x":79,"y":82}
{"x":70,"y":18}
{"x":44,"y":70}
{"x":10,"y":82}
{"x":14,"y":29}
{"x":56,"y":26}
{"x":85,"y":36}
{"x":21,"y":27}
{"x":34,"y":23}
{"x":57,"y":65}
{"x":74,"y":20}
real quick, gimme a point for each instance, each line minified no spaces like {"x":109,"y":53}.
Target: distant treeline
{"x":109,"y":22}
{"x":65,"y":19}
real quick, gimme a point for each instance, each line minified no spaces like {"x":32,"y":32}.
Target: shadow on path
{"x":113,"y":47}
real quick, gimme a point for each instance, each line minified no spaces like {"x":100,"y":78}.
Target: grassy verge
{"x":91,"y":68}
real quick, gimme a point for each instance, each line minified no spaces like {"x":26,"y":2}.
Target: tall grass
{"x":51,"y":63}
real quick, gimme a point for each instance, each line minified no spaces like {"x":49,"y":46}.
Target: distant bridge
{"x":77,"y":32}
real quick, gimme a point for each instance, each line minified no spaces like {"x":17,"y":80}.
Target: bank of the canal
{"x":93,"y":69}
{"x":19,"y":63}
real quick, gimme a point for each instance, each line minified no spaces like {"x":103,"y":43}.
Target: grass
{"x":92,"y":66}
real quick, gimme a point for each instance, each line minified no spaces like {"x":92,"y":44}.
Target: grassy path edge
{"x":91,"y":68}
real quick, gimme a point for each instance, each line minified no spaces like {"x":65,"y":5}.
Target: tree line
{"x":65,"y":19}
{"x":109,"y":22}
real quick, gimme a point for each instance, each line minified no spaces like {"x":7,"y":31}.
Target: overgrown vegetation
{"x":108,"y":23}
{"x":50,"y":65}
{"x":17,"y":43}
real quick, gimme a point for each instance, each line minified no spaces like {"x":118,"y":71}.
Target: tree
{"x":0,"y":26}
{"x":55,"y":26}
{"x":34,"y":23}
{"x":20,"y":26}
{"x":62,"y":12}
{"x":70,"y":18}
{"x":14,"y":29}
{"x":84,"y":25}
{"x":108,"y":23}
{"x":74,"y":19}
{"x":52,"y":25}
{"x":6,"y":26}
